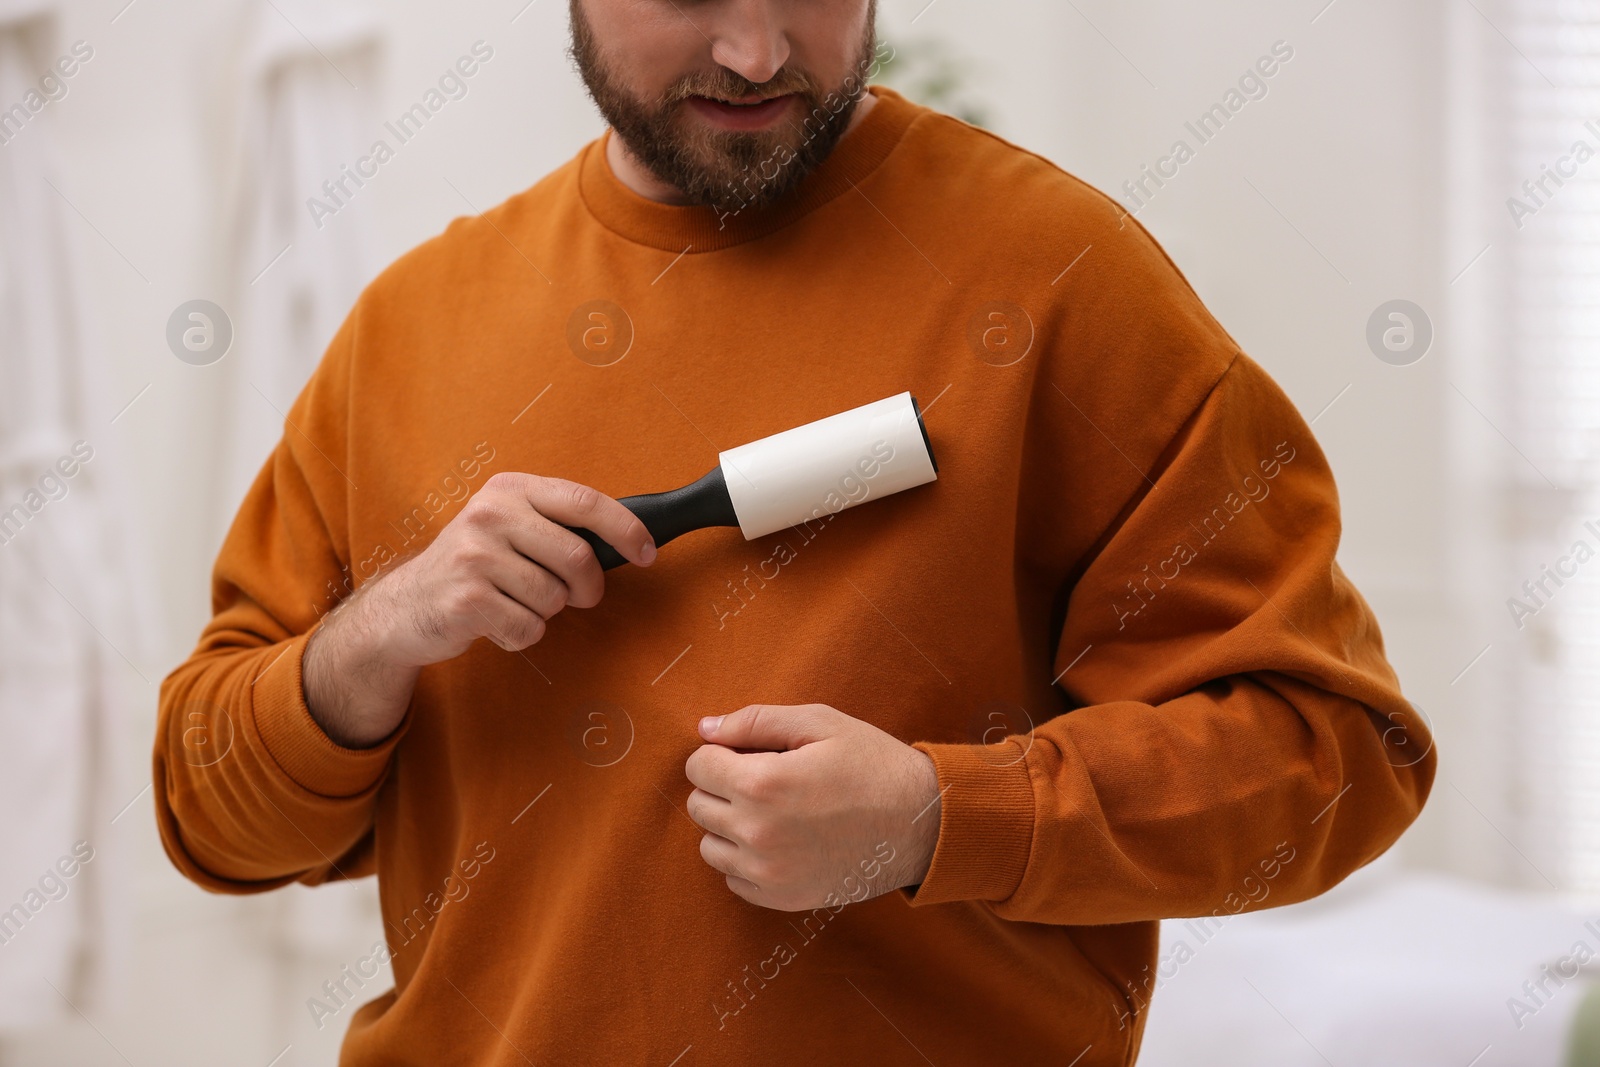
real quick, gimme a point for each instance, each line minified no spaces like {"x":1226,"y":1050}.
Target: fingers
{"x":751,"y":892}
{"x":504,"y":565}
{"x":732,"y":775}
{"x":712,"y":768}
{"x":721,"y":847}
{"x":480,"y":607}
{"x":564,"y":554}
{"x":737,"y":865}
{"x":722,"y":855}
{"x":714,"y":814}
{"x":579,"y":505}
{"x":523,"y":513}
{"x":507,"y":524}
{"x":772,"y":727}
{"x":528,"y":583}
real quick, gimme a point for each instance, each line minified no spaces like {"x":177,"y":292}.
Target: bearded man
{"x":912,"y":782}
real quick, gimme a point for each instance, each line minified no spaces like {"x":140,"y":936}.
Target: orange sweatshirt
{"x":1115,"y":623}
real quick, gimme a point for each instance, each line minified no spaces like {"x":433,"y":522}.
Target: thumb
{"x":770,"y":727}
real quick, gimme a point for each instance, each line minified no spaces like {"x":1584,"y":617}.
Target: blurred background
{"x":1399,"y":224}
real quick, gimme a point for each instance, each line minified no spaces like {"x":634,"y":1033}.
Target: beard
{"x":725,"y":170}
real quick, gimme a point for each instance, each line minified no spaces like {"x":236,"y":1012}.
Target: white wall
{"x":1346,"y":146}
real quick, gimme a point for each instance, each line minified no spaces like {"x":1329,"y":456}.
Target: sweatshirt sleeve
{"x":250,"y":793}
{"x":1236,"y":736}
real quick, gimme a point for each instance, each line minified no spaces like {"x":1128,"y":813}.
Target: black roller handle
{"x":668,"y":515}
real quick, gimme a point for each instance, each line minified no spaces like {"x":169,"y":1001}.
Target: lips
{"x":747,"y":113}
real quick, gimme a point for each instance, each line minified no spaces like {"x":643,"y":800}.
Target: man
{"x":911,"y":782}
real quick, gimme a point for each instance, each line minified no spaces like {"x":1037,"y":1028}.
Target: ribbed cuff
{"x":985,"y":824}
{"x":297,"y":744}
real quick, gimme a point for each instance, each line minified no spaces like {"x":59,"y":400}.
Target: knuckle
{"x":759,"y":836}
{"x":528,"y":632}
{"x":555,"y":598}
{"x":472,"y":555}
{"x":482,"y":514}
{"x":458,"y":604}
{"x":539,"y":589}
{"x":468,"y":599}
{"x":505,"y":481}
{"x":579,"y":554}
{"x":582,"y":498}
{"x":758,"y":785}
{"x":697,"y":812}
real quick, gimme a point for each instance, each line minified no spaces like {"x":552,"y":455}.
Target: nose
{"x":750,"y":40}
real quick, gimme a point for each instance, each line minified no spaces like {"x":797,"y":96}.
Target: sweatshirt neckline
{"x":681,"y":227}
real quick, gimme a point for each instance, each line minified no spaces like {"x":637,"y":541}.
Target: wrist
{"x":924,"y":836}
{"x":356,"y":692}
{"x":365,"y":631}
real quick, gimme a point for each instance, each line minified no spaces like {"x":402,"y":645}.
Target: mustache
{"x":727,"y":84}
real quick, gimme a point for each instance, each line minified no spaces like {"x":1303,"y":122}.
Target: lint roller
{"x":792,"y":477}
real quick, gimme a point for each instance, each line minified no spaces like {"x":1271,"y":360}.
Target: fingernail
{"x":709,"y":724}
{"x":647,"y":554}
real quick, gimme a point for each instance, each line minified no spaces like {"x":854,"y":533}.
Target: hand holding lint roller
{"x":792,"y":477}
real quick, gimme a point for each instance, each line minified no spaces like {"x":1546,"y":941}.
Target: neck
{"x":635,"y":176}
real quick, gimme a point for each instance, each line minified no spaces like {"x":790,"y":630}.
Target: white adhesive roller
{"x":826,"y":466}
{"x":792,"y":477}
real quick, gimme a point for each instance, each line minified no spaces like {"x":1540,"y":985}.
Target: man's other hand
{"x":807,"y":807}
